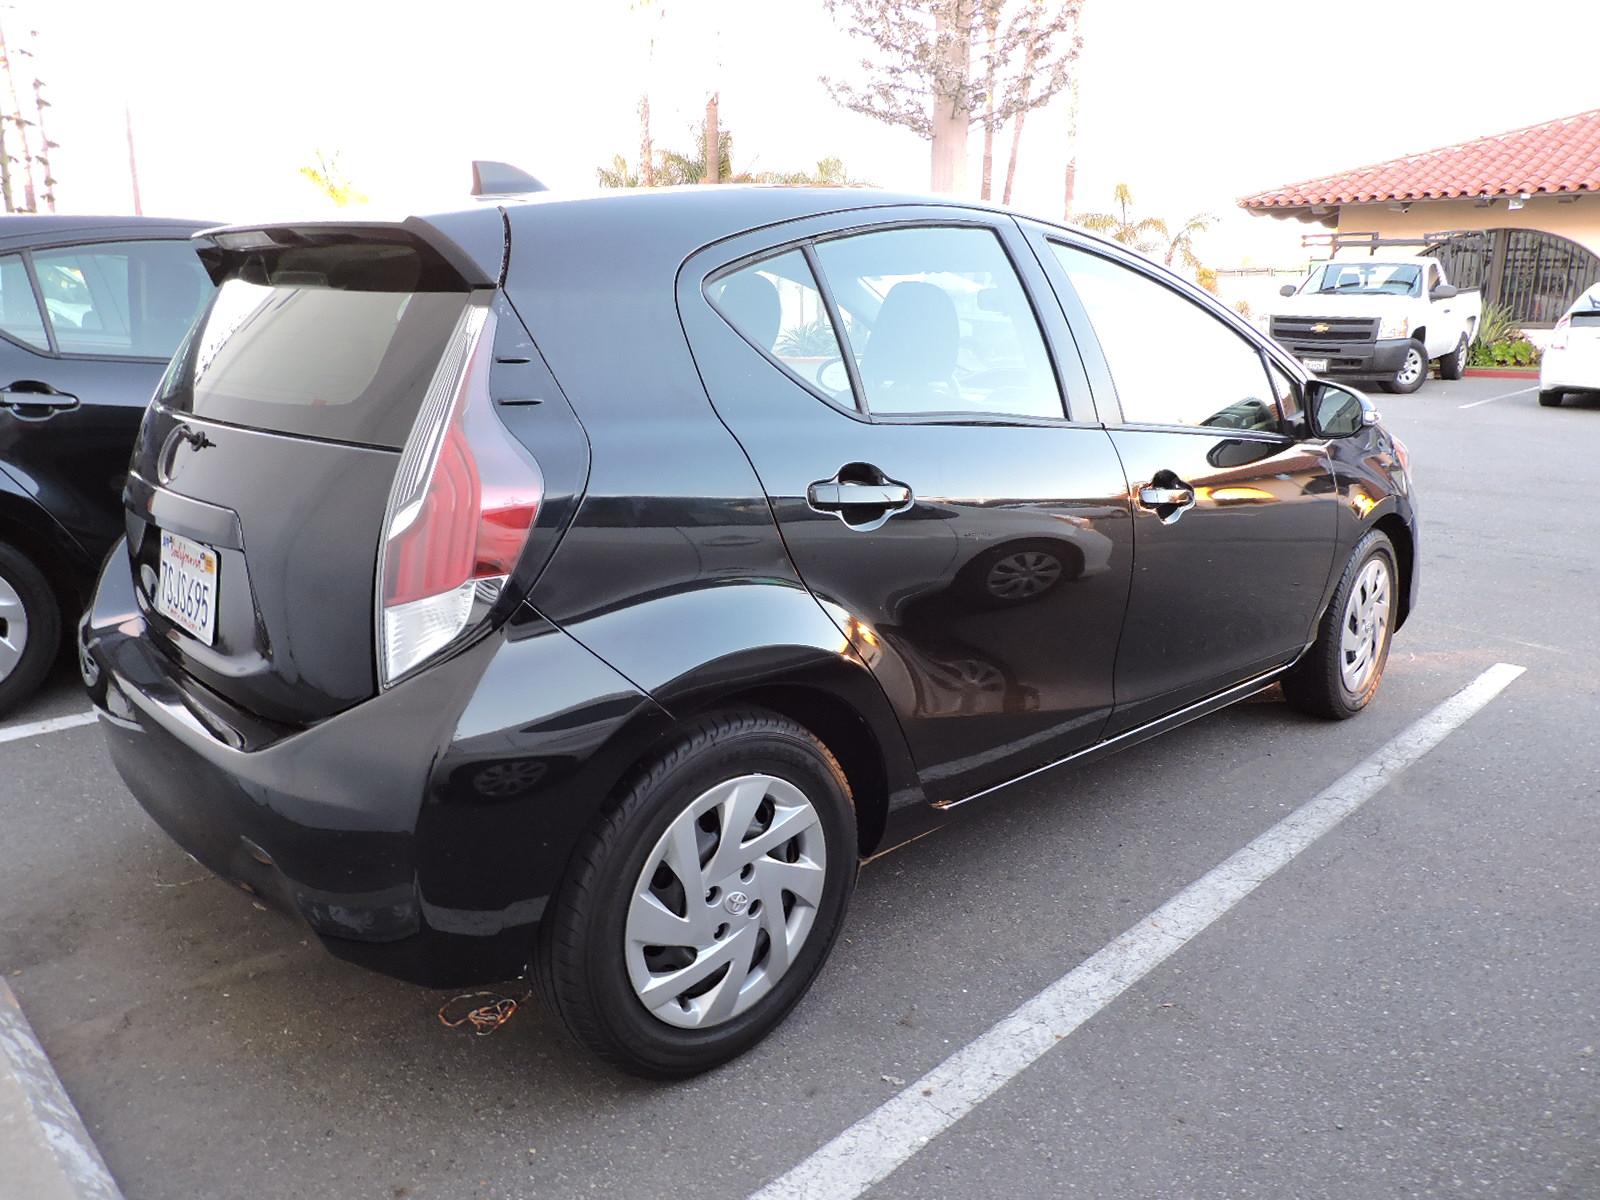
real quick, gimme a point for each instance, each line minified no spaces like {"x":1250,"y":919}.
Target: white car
{"x":1571,"y":361}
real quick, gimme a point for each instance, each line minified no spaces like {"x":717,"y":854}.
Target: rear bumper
{"x":1354,"y":360}
{"x":359,"y":826}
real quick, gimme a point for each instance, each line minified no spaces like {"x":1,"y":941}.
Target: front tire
{"x":1551,"y":399}
{"x":1340,"y":674}
{"x":1454,"y":364}
{"x":699,"y":910}
{"x":30,"y":627}
{"x":1412,"y":372}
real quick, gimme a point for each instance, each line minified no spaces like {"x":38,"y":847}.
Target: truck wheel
{"x":30,"y":627}
{"x":1454,"y":364}
{"x":1413,"y":371}
{"x":1550,"y":399}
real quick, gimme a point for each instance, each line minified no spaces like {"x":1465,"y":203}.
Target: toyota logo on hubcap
{"x":736,"y":902}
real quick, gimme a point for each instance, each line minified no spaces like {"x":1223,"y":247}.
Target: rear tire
{"x":613,"y":988}
{"x":1340,"y":674}
{"x":1412,"y":373}
{"x":1550,"y":399}
{"x":1454,"y":364}
{"x":30,"y":627}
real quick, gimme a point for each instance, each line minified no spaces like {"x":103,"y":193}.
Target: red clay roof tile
{"x":1558,"y":156}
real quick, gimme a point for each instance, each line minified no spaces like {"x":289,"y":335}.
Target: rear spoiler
{"x":451,"y":252}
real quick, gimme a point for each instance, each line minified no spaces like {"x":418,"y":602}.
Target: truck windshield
{"x":1365,"y":279}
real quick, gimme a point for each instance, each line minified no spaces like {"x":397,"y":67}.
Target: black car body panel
{"x":679,"y":564}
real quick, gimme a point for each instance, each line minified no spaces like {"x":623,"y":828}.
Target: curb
{"x":1502,"y":373}
{"x":45,"y":1152}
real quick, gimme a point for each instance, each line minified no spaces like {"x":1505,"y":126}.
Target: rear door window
{"x":315,"y":361}
{"x":19,"y":307}
{"x":121,"y":299}
{"x":939,"y":323}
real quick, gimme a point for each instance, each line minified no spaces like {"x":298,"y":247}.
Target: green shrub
{"x":1496,"y":325}
{"x":811,"y":340}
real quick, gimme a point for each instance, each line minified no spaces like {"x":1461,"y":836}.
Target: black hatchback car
{"x":591,"y":584}
{"x":91,"y":309}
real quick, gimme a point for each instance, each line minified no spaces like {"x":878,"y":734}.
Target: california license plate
{"x":186,"y":592}
{"x":1315,"y":365}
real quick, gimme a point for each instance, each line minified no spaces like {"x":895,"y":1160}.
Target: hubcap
{"x":13,"y":628}
{"x":1366,"y":624}
{"x":725,"y":901}
{"x":1411,"y":370}
{"x":1023,"y":575}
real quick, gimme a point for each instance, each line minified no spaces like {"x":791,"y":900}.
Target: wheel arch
{"x":1405,"y":552}
{"x":34,"y":532}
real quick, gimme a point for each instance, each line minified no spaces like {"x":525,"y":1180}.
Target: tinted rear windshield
{"x":1586,"y":317}
{"x":313,"y":360}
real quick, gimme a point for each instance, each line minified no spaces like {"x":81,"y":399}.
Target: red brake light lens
{"x":464,"y":500}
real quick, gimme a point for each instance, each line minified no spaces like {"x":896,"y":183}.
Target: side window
{"x":19,"y":308}
{"x":1172,"y":362}
{"x":938,"y":322}
{"x":121,"y":299}
{"x":776,"y":306}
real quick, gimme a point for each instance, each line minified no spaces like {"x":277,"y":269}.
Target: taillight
{"x":462,"y":505}
{"x":1558,"y":336}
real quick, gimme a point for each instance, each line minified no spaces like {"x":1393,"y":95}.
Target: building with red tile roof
{"x":1531,"y":196}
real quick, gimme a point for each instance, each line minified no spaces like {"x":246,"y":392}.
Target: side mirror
{"x":1288,"y":289}
{"x":1445,"y":291}
{"x":1338,"y":412}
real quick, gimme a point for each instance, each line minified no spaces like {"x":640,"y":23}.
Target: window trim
{"x":55,"y":350}
{"x":1249,"y":337}
{"x":872,"y":220}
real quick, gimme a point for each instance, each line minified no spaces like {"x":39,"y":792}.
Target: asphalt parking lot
{"x":1408,"y":1008}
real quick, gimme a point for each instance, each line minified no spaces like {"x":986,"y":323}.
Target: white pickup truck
{"x":1378,"y":319}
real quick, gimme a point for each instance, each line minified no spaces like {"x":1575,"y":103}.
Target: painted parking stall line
{"x":891,"y":1134}
{"x":1503,"y":396}
{"x":15,"y":733}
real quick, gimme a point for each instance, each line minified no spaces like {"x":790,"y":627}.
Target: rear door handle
{"x":36,"y":403}
{"x":834,"y":494}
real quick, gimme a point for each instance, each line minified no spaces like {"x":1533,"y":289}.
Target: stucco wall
{"x":1579,"y":220}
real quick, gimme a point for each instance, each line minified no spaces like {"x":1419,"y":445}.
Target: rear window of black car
{"x":312,"y":360}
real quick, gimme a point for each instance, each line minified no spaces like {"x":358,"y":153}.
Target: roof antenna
{"x":491,"y":178}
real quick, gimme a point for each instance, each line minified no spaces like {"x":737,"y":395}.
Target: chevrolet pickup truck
{"x":1378,"y":319}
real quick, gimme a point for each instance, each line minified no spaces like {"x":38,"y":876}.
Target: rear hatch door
{"x":265,"y":463}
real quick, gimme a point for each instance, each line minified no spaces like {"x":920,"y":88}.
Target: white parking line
{"x":51,"y":725}
{"x":1506,"y":396}
{"x":873,"y":1147}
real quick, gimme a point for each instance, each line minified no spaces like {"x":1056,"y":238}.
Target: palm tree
{"x":618,"y":174}
{"x":1150,"y":236}
{"x":679,"y":167}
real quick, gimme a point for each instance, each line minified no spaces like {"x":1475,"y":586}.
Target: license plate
{"x":186,"y":592}
{"x":1315,"y":365}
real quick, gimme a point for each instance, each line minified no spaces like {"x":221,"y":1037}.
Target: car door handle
{"x":35,"y":403}
{"x":832,"y":494}
{"x":1163,"y":497}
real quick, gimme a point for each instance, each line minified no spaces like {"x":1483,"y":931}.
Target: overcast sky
{"x":1192,"y":102}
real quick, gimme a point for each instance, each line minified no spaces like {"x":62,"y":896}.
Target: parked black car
{"x":91,"y":309}
{"x":595,"y":582}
